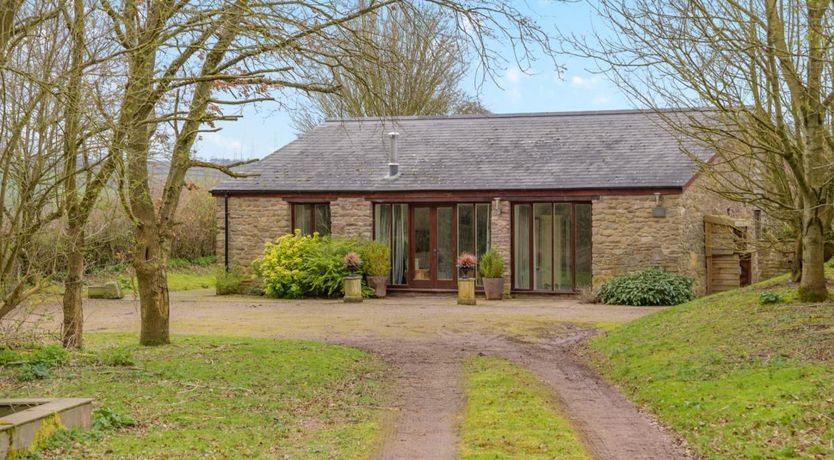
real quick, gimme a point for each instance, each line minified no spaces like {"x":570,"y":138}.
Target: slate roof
{"x":540,"y":151}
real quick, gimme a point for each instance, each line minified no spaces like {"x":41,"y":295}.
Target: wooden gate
{"x":728,"y":258}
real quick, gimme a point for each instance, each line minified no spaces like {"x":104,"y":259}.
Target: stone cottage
{"x":569,"y":199}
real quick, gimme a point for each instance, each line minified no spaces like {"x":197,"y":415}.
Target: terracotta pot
{"x":379,"y":284}
{"x":493,"y":288}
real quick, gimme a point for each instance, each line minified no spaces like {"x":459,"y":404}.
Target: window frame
{"x":311,"y":206}
{"x":530,"y":242}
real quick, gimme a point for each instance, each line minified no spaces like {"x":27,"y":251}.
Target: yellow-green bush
{"x":296,"y":266}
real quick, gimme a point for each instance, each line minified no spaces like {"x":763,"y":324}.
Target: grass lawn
{"x":510,"y":414}
{"x":184,"y":280}
{"x":736,"y":378}
{"x":210,"y":397}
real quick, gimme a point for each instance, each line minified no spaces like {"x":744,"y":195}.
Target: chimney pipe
{"x":393,"y":165}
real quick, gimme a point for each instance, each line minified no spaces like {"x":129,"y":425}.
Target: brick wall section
{"x":253,"y":221}
{"x":500,"y":236}
{"x":351,"y":217}
{"x":627,"y":238}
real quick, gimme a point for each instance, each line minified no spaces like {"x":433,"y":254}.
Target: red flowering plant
{"x":352,"y":262}
{"x":466,"y":264}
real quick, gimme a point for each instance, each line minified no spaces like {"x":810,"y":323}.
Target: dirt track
{"x":426,"y":339}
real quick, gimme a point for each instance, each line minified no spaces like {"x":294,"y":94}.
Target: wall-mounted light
{"x":659,"y":210}
{"x":496,"y":202}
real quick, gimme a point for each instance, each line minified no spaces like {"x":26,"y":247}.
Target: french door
{"x":432,"y":260}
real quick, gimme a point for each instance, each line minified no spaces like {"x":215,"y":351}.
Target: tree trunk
{"x":150,"y":264}
{"x":796,"y":266}
{"x":73,"y":310}
{"x":812,"y":287}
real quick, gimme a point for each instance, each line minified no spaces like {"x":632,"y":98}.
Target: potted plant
{"x":466,"y":284}
{"x":377,"y":265}
{"x":466,"y":265}
{"x":492,"y":271}
{"x":353,"y":282}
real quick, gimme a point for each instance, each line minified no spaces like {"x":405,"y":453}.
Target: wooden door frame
{"x":433,"y":283}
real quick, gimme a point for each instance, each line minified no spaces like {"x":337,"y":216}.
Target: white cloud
{"x":513,"y":75}
{"x":578,"y":81}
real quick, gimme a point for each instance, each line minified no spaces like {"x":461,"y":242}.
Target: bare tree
{"x":88,"y":163}
{"x":757,"y":78}
{"x":401,"y":62}
{"x":30,"y":148}
{"x":190,"y":63}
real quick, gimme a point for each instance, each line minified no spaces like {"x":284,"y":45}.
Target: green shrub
{"x":49,"y":356}
{"x":31,"y":372}
{"x":491,"y":264}
{"x":648,"y":287}
{"x":377,"y":259}
{"x":108,"y":419}
{"x":768,"y":297}
{"x":8,"y":356}
{"x":117,"y":356}
{"x":296,"y":266}
{"x":230,"y":281}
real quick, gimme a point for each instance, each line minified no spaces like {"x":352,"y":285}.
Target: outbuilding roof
{"x":525,"y":151}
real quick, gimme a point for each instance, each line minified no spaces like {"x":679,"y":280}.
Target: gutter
{"x":226,"y":231}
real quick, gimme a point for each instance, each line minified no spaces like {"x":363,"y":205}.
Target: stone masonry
{"x":351,"y":217}
{"x":253,"y":221}
{"x":626,"y":237}
{"x":500,"y":236}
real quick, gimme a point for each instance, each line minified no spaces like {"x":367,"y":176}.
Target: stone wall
{"x":698,"y":201}
{"x":351,"y":217}
{"x":501,"y":236}
{"x":626,"y":236}
{"x":253,"y":221}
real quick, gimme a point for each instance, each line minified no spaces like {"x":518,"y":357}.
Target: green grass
{"x":184,"y":280}
{"x":736,"y":378}
{"x":510,"y":414}
{"x":218,"y":398}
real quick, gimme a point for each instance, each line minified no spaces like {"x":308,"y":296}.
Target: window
{"x":309,"y":218}
{"x":391,"y":226}
{"x":473,"y":230}
{"x":551,"y":246}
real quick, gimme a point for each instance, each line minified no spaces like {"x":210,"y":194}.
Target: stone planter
{"x":28,"y":423}
{"x":109,"y":290}
{"x":353,"y":289}
{"x":493,"y":288}
{"x":466,"y":292}
{"x":379,"y":284}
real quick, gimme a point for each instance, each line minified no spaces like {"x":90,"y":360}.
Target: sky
{"x":542,"y":88}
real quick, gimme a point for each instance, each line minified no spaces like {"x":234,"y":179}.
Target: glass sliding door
{"x":445,"y":251}
{"x":473,"y":230}
{"x":391,"y":228}
{"x":422,"y":244}
{"x":466,"y":228}
{"x":562,"y":255}
{"x":521,"y":246}
{"x":543,"y":246}
{"x":482,"y":223}
{"x":551,"y":246}
{"x":399,"y":243}
{"x":583,"y":245}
